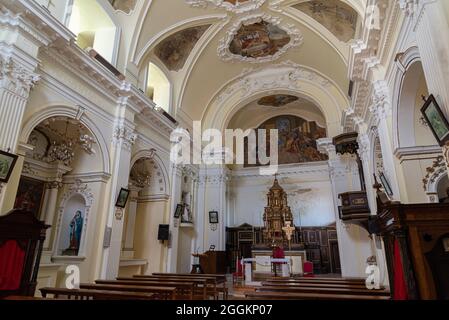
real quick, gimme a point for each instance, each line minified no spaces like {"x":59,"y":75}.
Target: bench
{"x":197,"y":287}
{"x":295,"y":289}
{"x":309,"y":296}
{"x":159,"y":293}
{"x":85,"y":294}
{"x":216,"y":282}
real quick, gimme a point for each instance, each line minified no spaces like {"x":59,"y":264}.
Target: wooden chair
{"x":239,"y":276}
{"x":308,"y":269}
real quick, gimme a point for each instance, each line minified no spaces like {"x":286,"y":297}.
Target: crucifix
{"x":288,"y":229}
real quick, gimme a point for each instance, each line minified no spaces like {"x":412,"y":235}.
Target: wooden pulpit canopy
{"x":21,"y":239}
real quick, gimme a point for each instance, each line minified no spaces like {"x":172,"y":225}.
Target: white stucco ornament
{"x":239,"y":6}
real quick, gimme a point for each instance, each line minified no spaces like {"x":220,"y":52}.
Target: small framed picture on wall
{"x":436,"y":120}
{"x":122,"y":198}
{"x":386,"y":184}
{"x":7,"y":163}
{"x":213,"y":217}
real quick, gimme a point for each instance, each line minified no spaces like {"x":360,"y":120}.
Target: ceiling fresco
{"x":259,"y":39}
{"x":174,"y":50}
{"x":277,"y":100}
{"x":334,"y":15}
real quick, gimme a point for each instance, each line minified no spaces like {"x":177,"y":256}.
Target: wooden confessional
{"x":416,"y":238}
{"x":21,"y":240}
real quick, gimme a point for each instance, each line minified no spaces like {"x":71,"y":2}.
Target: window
{"x":94,"y":28}
{"x":158,"y":87}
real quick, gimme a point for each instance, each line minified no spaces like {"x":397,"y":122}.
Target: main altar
{"x":277,"y":235}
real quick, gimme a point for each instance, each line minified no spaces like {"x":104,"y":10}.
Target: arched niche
{"x":52,"y":111}
{"x":412,"y":131}
{"x":73,"y":214}
{"x":436,"y":182}
{"x":94,"y":24}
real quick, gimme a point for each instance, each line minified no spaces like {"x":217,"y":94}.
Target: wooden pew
{"x":314,"y":285}
{"x":84,"y":294}
{"x":212,"y":285}
{"x":216,"y":281}
{"x":299,"y":289}
{"x":309,"y":296}
{"x":199,"y":290}
{"x":159,"y":293}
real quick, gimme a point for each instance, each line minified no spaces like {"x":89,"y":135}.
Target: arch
{"x":140,"y":57}
{"x":108,"y":11}
{"x":283,"y":78}
{"x":77,"y":189}
{"x":404,"y":63}
{"x":73,"y":113}
{"x":152,"y":154}
{"x":434,"y":176}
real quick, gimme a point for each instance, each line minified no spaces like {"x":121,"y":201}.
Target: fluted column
{"x":175,"y":192}
{"x":128,"y":246}
{"x":51,"y":194}
{"x":353,"y":241}
{"x":123,"y":140}
{"x":430,"y":24}
{"x":18,"y":63}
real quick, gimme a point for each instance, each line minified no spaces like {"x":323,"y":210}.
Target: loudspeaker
{"x":163,"y":233}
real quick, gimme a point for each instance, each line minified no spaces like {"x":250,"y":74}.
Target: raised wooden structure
{"x":21,"y":240}
{"x":416,"y":238}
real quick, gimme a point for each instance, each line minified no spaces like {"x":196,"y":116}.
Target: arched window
{"x":158,"y":87}
{"x":94,"y":28}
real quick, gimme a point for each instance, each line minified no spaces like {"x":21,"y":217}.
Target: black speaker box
{"x":164,"y":232}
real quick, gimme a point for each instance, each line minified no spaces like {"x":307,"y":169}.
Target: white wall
{"x":309,"y":195}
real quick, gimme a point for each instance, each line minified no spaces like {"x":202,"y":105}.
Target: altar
{"x":295,"y":258}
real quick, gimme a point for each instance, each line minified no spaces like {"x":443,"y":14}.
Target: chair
{"x":278,"y":253}
{"x":308,"y":269}
{"x":239,"y":275}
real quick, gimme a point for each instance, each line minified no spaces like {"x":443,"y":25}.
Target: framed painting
{"x":122,"y":198}
{"x":386,"y":184}
{"x":179,"y":210}
{"x":213,"y":216}
{"x":30,"y":195}
{"x":436,"y":120}
{"x":7,"y":163}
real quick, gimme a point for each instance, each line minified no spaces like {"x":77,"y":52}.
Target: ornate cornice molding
{"x":296,"y":38}
{"x":235,"y":8}
{"x":250,"y":82}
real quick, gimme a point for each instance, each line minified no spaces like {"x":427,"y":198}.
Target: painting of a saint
{"x":29,"y":195}
{"x":76,"y":229}
{"x":297,"y":139}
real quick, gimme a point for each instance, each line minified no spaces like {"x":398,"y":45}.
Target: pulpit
{"x":21,"y":240}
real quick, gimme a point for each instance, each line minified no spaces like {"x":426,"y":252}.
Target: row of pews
{"x":158,"y":286}
{"x":316,"y":289}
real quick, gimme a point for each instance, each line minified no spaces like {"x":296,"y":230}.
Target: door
{"x":335,"y":257}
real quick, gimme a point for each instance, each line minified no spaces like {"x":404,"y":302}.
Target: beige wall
{"x":149,"y":215}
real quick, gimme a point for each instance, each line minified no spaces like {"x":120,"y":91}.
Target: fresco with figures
{"x":297,"y":140}
{"x":259,"y":39}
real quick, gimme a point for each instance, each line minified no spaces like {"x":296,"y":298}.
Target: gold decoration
{"x":277,"y":215}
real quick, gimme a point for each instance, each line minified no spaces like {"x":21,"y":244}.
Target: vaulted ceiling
{"x":203,"y":45}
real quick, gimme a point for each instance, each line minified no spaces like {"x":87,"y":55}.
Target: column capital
{"x":15,"y":78}
{"x":326,"y":146}
{"x":124,"y":136}
{"x":364,"y":146}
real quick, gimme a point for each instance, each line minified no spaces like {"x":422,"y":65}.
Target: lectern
{"x":211,"y":262}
